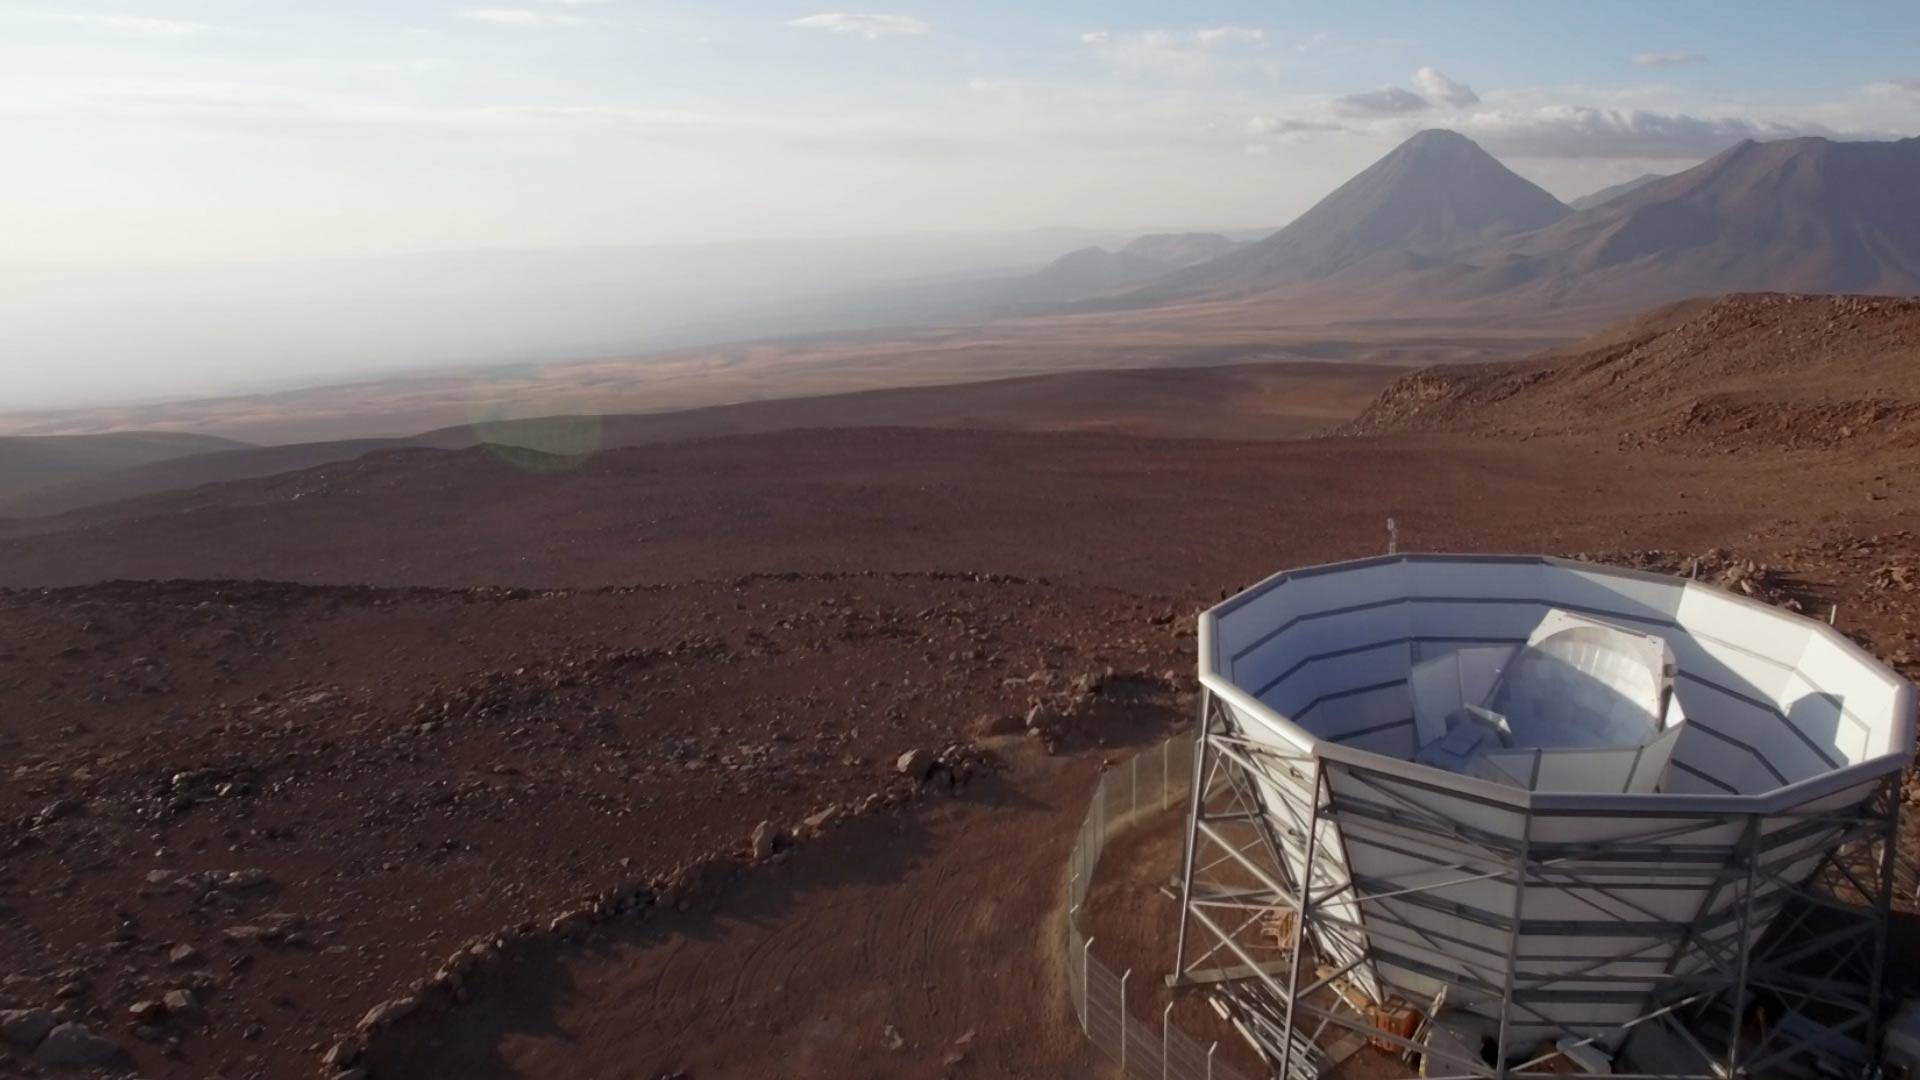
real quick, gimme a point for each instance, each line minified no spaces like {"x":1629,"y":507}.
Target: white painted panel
{"x":1854,"y":736}
{"x":1475,"y":578}
{"x":1336,"y":716}
{"x":1509,"y":621}
{"x":1631,"y":596}
{"x":1396,"y":794}
{"x":1313,"y":637}
{"x":1733,"y":667}
{"x":1616,"y":902}
{"x":1717,"y":614}
{"x":1753,"y":726}
{"x":1257,"y":617}
{"x":1276,"y":732}
{"x":1734,"y":767}
{"x":1836,"y":670}
{"x":1394,"y":742}
{"x":1345,"y":588}
{"x":1374,"y":665}
{"x":1682,"y":782}
{"x":1581,"y":829}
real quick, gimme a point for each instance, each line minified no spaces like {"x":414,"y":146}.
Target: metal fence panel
{"x":1153,"y":781}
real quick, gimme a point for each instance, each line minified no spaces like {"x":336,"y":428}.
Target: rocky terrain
{"x":1242,"y":401}
{"x":234,"y":809}
{"x":759,"y":755}
{"x":1752,"y":372}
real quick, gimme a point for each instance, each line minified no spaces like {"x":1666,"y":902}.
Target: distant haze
{"x":173,"y":147}
{"x":81,"y":334}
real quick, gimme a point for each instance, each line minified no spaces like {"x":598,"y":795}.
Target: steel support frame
{"x":1822,"y":959}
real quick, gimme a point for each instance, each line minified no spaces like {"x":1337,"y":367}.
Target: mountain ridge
{"x":1436,"y":193}
{"x":1613,"y":191}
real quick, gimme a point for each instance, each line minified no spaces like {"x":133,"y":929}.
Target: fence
{"x":1150,"y":782}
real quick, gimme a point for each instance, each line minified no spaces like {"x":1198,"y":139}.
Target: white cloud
{"x":1170,"y":50}
{"x":1894,"y":87}
{"x":1437,"y":87}
{"x":1216,"y":35}
{"x":1666,"y":59}
{"x":521,"y":17}
{"x":1575,"y":131}
{"x":1273,"y":125}
{"x":1386,"y":101}
{"x":128,"y":25}
{"x":871,"y":27}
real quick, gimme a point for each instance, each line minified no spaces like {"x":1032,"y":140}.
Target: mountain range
{"x":1093,"y":270}
{"x":1613,"y":191}
{"x":1439,"y":224}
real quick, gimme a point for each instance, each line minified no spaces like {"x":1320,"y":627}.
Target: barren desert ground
{"x":451,"y":762}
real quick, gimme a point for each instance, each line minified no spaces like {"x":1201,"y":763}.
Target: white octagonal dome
{"x":1555,"y":794}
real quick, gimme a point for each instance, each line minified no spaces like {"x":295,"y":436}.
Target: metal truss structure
{"x":1776,"y":969}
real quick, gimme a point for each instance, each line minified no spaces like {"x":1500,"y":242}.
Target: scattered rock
{"x":915,"y":764}
{"x":56,"y":810}
{"x":386,"y":1013}
{"x":341,"y":1055}
{"x":240,"y":880}
{"x":997,"y":723}
{"x":181,"y":1004}
{"x":26,"y":1027}
{"x":75,"y":1044}
{"x":766,"y":837}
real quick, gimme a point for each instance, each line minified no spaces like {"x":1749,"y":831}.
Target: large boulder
{"x":25,"y":1027}
{"x":74,"y":1044}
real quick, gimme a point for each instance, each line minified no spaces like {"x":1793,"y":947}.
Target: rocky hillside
{"x":1743,"y":372}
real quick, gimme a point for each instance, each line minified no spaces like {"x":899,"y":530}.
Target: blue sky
{"x":139,"y":130}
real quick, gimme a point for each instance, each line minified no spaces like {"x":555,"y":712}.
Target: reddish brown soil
{"x":413,"y":768}
{"x":415,"y":756}
{"x":1762,"y":372}
{"x":1156,"y":515}
{"x":1236,"y":331}
{"x":1245,"y":401}
{"x":921,"y":947}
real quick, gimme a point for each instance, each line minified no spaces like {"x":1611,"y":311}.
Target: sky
{"x":141,"y":131}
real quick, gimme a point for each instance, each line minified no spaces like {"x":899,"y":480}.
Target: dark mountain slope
{"x":1436,"y":194}
{"x":1607,"y":194}
{"x":1799,"y":215}
{"x":32,"y":461}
